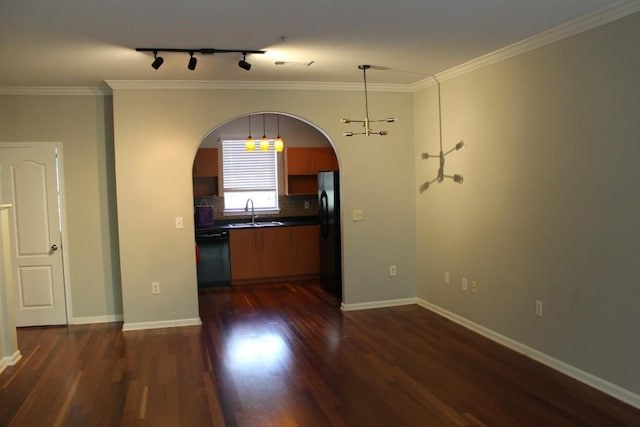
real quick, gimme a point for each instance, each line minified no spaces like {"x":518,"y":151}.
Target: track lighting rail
{"x":202,"y":51}
{"x":193,"y":61}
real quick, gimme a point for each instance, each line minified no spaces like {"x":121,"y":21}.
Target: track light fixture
{"x":366,"y":123}
{"x":243,"y":62}
{"x":193,"y":61}
{"x":158,"y":60}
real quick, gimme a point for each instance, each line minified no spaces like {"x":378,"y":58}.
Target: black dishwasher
{"x":214,"y":270}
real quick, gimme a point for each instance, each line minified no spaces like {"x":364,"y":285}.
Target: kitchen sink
{"x":256,"y":224}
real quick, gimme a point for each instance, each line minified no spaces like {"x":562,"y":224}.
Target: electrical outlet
{"x":179,"y":223}
{"x":474,"y":286}
{"x":538,"y":308}
{"x":464,"y":284}
{"x":446,"y":278}
{"x":155,"y":288}
{"x":306,"y":204}
{"x":392,"y":270}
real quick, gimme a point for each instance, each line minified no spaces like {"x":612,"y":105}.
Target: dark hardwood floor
{"x":285,"y":355}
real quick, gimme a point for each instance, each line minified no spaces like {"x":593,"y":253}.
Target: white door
{"x":29,"y":181}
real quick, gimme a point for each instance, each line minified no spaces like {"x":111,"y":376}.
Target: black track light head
{"x":157,"y":60}
{"x":243,"y":62}
{"x":193,"y":61}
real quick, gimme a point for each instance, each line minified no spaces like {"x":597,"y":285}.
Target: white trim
{"x":136,"y":326}
{"x":65,"y":241}
{"x":563,"y":31}
{"x":10,"y":360}
{"x":566,"y":30}
{"x":598,"y":383}
{"x":378,"y":304}
{"x":54,"y":90}
{"x":267,"y":85}
{"x":110,"y":318}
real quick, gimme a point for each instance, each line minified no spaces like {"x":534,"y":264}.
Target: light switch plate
{"x":358,"y":215}
{"x":179,"y":223}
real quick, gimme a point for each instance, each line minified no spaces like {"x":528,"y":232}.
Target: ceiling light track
{"x":366,"y":123}
{"x":159,"y":60}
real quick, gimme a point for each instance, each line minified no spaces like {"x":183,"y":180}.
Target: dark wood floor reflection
{"x":285,"y":355}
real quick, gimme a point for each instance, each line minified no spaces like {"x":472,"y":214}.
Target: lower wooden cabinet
{"x":274,"y":252}
{"x":305,"y":244}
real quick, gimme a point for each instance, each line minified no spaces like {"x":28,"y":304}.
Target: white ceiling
{"x":85,"y":42}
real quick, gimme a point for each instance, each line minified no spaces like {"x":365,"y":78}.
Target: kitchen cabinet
{"x":274,"y":253}
{"x":257,"y":252}
{"x":302,"y":164}
{"x":206,"y":163}
{"x":305,"y":246}
{"x":205,"y":172}
{"x":309,"y":160}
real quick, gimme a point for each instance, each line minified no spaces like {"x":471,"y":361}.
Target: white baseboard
{"x":378,"y":304}
{"x":96,"y":319}
{"x":10,"y":360}
{"x":598,"y":383}
{"x":136,"y":326}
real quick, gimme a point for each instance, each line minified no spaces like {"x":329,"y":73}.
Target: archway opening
{"x":242,"y":241}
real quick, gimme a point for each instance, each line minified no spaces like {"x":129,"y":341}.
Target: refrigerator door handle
{"x":324,"y":214}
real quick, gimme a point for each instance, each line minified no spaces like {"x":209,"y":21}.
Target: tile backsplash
{"x":290,"y":206}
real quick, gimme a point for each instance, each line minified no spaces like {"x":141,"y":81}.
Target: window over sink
{"x":248,"y":175}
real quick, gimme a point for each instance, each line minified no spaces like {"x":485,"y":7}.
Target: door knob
{"x":54,"y":247}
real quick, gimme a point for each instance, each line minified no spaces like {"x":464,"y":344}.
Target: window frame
{"x":261,"y":187}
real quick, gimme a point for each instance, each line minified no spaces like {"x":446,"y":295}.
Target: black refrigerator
{"x":329,"y":213}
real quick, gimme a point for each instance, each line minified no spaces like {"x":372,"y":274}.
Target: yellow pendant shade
{"x":250,"y":144}
{"x":264,"y":144}
{"x":278,"y":144}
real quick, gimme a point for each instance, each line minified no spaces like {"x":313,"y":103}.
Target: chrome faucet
{"x":253,"y":213}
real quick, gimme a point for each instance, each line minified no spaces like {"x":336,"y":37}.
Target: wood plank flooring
{"x":285,"y":355}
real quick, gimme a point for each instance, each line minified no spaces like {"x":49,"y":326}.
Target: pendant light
{"x":250,"y":143}
{"x":366,"y":122}
{"x":441,"y":175}
{"x":264,"y":141}
{"x":278,"y":143}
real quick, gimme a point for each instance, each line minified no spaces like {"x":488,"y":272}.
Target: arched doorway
{"x":285,"y":241}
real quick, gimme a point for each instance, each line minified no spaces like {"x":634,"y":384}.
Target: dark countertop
{"x":225,"y":225}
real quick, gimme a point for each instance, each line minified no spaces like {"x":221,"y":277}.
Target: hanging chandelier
{"x":441,"y":175}
{"x":366,"y":122}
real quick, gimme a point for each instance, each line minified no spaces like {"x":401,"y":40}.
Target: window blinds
{"x":248,"y":170}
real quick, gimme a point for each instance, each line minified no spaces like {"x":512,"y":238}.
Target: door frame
{"x":62,"y":212}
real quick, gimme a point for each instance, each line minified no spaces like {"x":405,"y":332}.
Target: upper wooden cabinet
{"x":309,"y":160}
{"x":206,"y":163}
{"x":302,"y":164}
{"x":205,"y":172}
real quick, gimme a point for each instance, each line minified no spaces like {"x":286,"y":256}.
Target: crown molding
{"x":252,"y":85}
{"x":577,"y":26}
{"x":55,"y":90}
